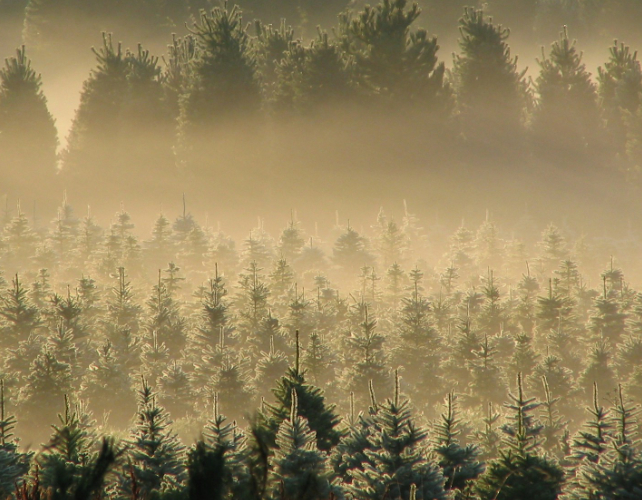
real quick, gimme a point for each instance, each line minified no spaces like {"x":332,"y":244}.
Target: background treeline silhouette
{"x":247,"y":105}
{"x":387,"y":362}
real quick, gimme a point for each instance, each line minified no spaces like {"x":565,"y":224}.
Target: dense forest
{"x":370,"y":363}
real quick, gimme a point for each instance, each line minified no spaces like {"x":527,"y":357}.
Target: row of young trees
{"x":140,"y":119}
{"x":383,"y":349}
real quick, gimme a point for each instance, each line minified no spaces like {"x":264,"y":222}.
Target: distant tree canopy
{"x":225,"y":96}
{"x":28,"y":136}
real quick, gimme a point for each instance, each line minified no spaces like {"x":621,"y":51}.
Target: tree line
{"x":228,"y":85}
{"x":382,"y":363}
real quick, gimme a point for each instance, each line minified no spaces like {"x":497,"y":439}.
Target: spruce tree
{"x":28,"y":136}
{"x":311,"y":406}
{"x":350,"y":251}
{"x":155,"y":452}
{"x":13,"y":463}
{"x":521,"y":471}
{"x":298,"y":467}
{"x":395,"y":461}
{"x":364,"y":357}
{"x":21,"y":318}
{"x":459,"y":464}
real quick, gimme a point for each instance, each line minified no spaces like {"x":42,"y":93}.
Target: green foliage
{"x":154,"y":451}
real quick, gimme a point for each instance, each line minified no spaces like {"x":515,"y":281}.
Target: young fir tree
{"x":350,"y":251}
{"x":270,"y":366}
{"x":14,"y":464}
{"x":19,"y":241}
{"x":155,"y":453}
{"x":176,"y":392}
{"x":311,"y":406}
{"x":28,"y":136}
{"x":553,"y":249}
{"x":395,"y":461}
{"x":491,"y":91}
{"x":618,"y":471}
{"x":160,"y":249}
{"x":417,"y":346}
{"x":20,"y":318}
{"x":165,"y":319}
{"x":521,"y":471}
{"x":459,"y":464}
{"x":47,"y":383}
{"x":589,"y":444}
{"x":487,"y":384}
{"x":107,"y":380}
{"x":364,"y":357}
{"x":608,"y":322}
{"x":298,"y":467}
{"x":253,"y":300}
{"x":566,"y":122}
{"x":598,"y":369}
{"x":66,"y":454}
{"x":226,"y":455}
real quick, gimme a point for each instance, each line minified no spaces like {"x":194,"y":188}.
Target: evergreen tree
{"x":107,"y":380}
{"x":619,"y":87}
{"x":520,"y":471}
{"x":165,"y":319}
{"x":19,"y":241}
{"x":417,"y":346}
{"x":48,"y":381}
{"x":20,"y":317}
{"x":95,"y":130}
{"x":564,"y":84}
{"x":491,"y":92}
{"x":13,"y":463}
{"x":395,"y":461}
{"x":394,"y":63}
{"x":227,"y":446}
{"x":311,"y":406}
{"x":314,"y":77}
{"x":458,"y":463}
{"x":223,"y":81}
{"x":487,"y":384}
{"x":350,"y":250}
{"x":25,"y":122}
{"x":598,"y":370}
{"x":365,"y":359}
{"x":155,"y":452}
{"x":589,"y":444}
{"x":299,"y":469}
